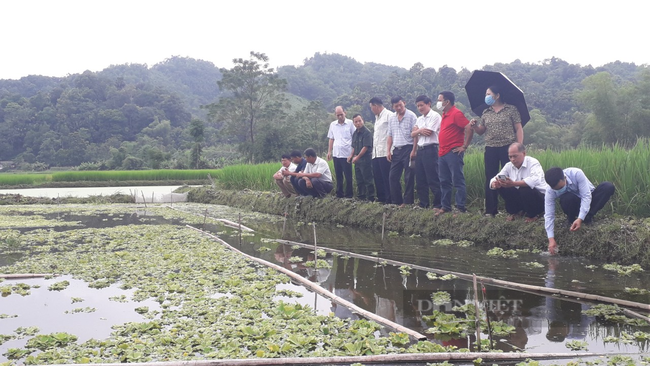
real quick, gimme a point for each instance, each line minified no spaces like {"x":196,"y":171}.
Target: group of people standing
{"x":428,"y":153}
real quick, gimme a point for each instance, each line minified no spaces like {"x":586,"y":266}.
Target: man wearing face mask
{"x":454,"y":138}
{"x":579,"y":200}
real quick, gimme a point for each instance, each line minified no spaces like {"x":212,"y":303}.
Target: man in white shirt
{"x":522,"y":185}
{"x":426,"y":130}
{"x":340,"y":147}
{"x":579,"y":200}
{"x":284,"y":181}
{"x":316,"y":180}
{"x":380,"y":164}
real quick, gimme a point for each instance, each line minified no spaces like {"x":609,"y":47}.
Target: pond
{"x":539,"y":323}
{"x":160,"y":194}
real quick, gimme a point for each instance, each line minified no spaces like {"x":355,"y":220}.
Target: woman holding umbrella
{"x":501,"y":124}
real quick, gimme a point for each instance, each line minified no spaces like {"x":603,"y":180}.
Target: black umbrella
{"x":480,"y":81}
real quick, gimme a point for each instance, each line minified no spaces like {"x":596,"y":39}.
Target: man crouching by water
{"x":316,"y":180}
{"x":579,"y":200}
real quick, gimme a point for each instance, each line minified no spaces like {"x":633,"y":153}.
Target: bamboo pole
{"x":321,"y":291}
{"x":13,"y":276}
{"x":383,"y":226}
{"x":144,"y":200}
{"x":477,"y":318}
{"x":388,"y":358}
{"x":487,"y":316}
{"x":284,"y":224}
{"x":239,"y":221}
{"x":235,"y":225}
{"x":538,"y":290}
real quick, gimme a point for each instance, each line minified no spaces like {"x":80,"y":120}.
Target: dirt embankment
{"x":624,"y":240}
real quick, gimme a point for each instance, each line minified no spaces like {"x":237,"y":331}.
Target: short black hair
{"x":396,"y":99}
{"x":376,"y":101}
{"x":553,"y":176}
{"x":447,"y":95}
{"x":286,"y":156}
{"x":310,"y":152}
{"x":423,"y":98}
{"x":357,"y":115}
{"x":295,"y":154}
{"x":495,"y":88}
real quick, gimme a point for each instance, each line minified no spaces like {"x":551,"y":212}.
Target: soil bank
{"x":613,"y":239}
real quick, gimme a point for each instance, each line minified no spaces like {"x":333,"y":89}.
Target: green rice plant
{"x":257,"y":177}
{"x":11,"y":179}
{"x":142,"y":175}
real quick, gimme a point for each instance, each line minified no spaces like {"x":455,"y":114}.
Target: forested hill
{"x":133,"y":116}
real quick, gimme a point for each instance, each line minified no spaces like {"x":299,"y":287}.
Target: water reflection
{"x":541,"y":323}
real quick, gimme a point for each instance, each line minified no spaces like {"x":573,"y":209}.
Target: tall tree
{"x":197,"y":133}
{"x":255,"y":97}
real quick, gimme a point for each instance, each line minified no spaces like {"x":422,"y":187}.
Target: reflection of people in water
{"x":565,"y":318}
{"x":284,"y":253}
{"x":346,"y":286}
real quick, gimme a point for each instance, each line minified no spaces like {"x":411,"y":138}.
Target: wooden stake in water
{"x":383,"y":225}
{"x":315,"y":247}
{"x":315,"y":262}
{"x":171,"y":198}
{"x":284,"y":225}
{"x":477,"y":317}
{"x":144,"y":200}
{"x":205,"y":217}
{"x":487,"y":316}
{"x":239,"y":229}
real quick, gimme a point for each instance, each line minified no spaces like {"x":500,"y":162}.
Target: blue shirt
{"x":576,"y":183}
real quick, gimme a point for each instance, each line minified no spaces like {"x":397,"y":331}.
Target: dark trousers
{"x":494,"y":159}
{"x":399,"y":165}
{"x":526,"y":199}
{"x":343,"y":168}
{"x":381,"y":172}
{"x":426,"y":176}
{"x":296,"y":186}
{"x":571,"y":203}
{"x":365,"y":181}
{"x":320,"y":188}
{"x":450,"y":171}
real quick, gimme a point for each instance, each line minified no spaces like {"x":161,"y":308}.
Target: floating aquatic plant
{"x":499,"y":252}
{"x":441,"y":298}
{"x":405,"y":270}
{"x":448,"y":277}
{"x":533,"y":265}
{"x":623,"y":270}
{"x":577,"y":345}
{"x":636,"y":291}
{"x":59,"y":286}
{"x":87,"y":309}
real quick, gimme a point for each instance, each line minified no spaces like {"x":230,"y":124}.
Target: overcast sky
{"x":60,"y":37}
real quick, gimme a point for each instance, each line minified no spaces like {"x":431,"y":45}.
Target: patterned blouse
{"x":500,"y":126}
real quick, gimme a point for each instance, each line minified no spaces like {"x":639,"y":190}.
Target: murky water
{"x":160,"y":194}
{"x":542,"y":324}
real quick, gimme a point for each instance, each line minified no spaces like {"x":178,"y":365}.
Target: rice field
{"x":9,"y":179}
{"x":628,"y":169}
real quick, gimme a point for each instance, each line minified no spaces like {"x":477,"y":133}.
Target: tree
{"x":255,"y":98}
{"x":197,"y":133}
